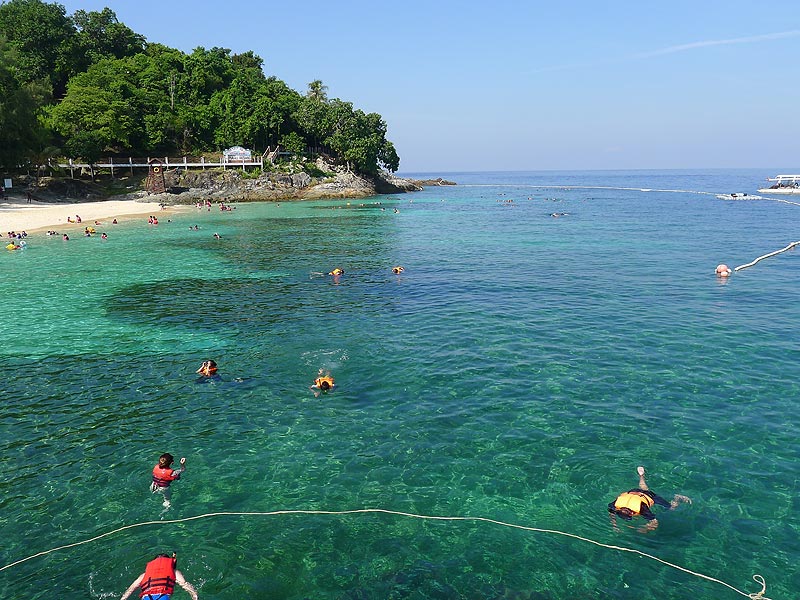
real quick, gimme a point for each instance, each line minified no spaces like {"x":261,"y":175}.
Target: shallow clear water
{"x":519,"y":369}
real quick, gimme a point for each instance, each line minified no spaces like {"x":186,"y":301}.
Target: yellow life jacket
{"x":633,"y":501}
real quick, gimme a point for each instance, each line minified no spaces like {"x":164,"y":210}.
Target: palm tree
{"x":317,"y":91}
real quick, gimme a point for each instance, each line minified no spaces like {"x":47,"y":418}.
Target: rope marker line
{"x":757,"y":578}
{"x":760,"y":258}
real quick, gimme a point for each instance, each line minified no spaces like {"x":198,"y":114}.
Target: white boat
{"x":784,"y":184}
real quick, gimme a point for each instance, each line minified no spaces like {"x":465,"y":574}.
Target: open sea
{"x":518,"y":371}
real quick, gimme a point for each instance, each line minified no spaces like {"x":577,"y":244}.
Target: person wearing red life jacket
{"x":164,"y":475}
{"x":638,"y":502}
{"x":159,"y":579}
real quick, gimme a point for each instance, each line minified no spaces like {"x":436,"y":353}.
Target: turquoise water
{"x":519,"y":369}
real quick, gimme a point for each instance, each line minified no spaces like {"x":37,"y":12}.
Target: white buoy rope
{"x":757,"y":578}
{"x":760,"y":258}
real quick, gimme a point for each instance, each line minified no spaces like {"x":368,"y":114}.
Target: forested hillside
{"x":86,"y":86}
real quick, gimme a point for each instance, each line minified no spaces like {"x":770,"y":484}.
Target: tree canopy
{"x":91,"y":86}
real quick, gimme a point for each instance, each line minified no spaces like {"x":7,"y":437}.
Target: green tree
{"x":102,"y":110}
{"x":88,"y":145}
{"x":359,"y":139}
{"x":317,"y":91}
{"x":292,"y":142}
{"x":101,"y":35}
{"x":21,"y":132}
{"x":44,"y":37}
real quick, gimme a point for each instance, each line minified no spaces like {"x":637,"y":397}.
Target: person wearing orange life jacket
{"x":164,"y":475}
{"x":638,"y":502}
{"x":159,"y":579}
{"x":323,"y":382}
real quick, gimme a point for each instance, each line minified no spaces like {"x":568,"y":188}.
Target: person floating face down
{"x":323,"y":383}
{"x":164,"y":475}
{"x":159,"y":579}
{"x":638,"y":502}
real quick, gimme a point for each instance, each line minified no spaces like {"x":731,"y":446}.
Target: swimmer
{"x":336,"y":272}
{"x":323,"y":383}
{"x":159,"y":579}
{"x":398,"y":269}
{"x":164,"y":475}
{"x":208,"y":368}
{"x":638,"y":501}
{"x":723,"y":270}
{"x":218,"y":236}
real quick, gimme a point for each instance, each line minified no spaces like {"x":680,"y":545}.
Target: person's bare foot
{"x":640,"y":471}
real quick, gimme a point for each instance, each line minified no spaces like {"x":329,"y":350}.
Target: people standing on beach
{"x":159,"y":579}
{"x":638,"y":502}
{"x":164,"y":475}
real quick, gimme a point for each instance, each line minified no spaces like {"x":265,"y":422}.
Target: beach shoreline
{"x":18,"y":215}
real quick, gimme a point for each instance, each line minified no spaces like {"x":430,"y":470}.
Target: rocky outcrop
{"x":186,"y":186}
{"x":333,"y":182}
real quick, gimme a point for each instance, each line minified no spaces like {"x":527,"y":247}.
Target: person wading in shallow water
{"x":638,"y":502}
{"x":159,"y":579}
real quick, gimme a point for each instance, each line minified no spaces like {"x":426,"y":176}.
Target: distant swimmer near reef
{"x":337,"y":271}
{"x":723,"y":270}
{"x":398,"y":269}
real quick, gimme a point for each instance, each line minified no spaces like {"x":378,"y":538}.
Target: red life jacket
{"x":162,"y":476}
{"x":159,"y":576}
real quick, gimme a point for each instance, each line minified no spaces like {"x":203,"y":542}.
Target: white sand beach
{"x":18,"y":215}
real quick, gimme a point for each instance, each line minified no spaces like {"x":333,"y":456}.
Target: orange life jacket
{"x":633,"y":501}
{"x":162,"y":476}
{"x":327,"y":379}
{"x":159,"y":576}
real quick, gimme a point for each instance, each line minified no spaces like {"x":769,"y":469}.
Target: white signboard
{"x":8,"y":184}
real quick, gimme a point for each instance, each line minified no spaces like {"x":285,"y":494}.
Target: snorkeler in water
{"x":323,"y":383}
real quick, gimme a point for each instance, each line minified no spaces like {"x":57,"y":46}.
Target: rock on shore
{"x":238,"y":186}
{"x":234,"y":185}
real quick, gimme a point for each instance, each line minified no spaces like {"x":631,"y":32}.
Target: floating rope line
{"x":750,"y":264}
{"x":757,"y":578}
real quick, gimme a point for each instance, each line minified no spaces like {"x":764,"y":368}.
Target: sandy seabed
{"x":18,"y":215}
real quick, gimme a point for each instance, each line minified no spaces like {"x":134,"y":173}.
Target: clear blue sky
{"x":511,"y":85}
